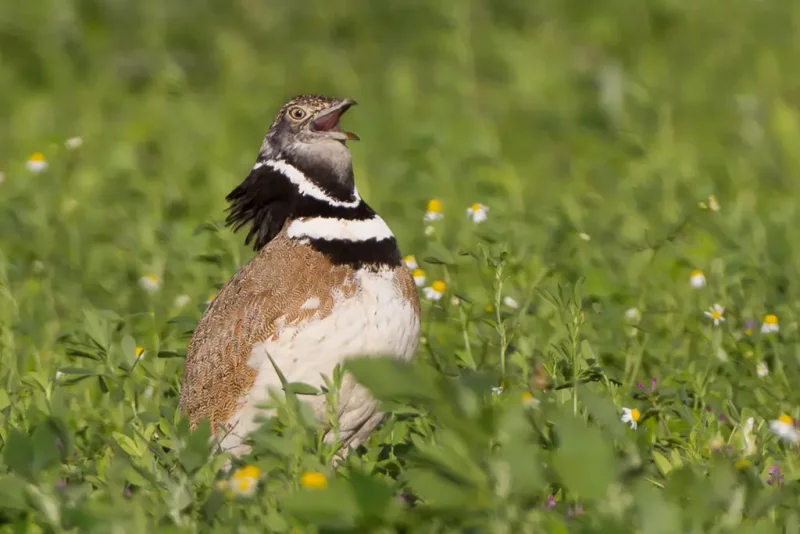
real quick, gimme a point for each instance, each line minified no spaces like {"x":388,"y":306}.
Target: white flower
{"x":715,"y":313}
{"x":411,"y":262}
{"x":429,"y":230}
{"x":528,"y":400}
{"x":140,"y":353}
{"x":435,"y":291}
{"x":585,"y":236}
{"x":784,"y":426}
{"x":749,"y":437}
{"x":434,"y":211}
{"x":478,"y":213}
{"x":762,"y":370}
{"x":770,"y":325}
{"x":150,"y":283}
{"x":632,"y":416}
{"x":697,"y":279}
{"x":713,"y":205}
{"x":455,"y":301}
{"x":511,"y":303}
{"x":182,"y":300}
{"x":59,"y":374}
{"x":244,"y":481}
{"x":419,"y":277}
{"x":73,"y":143}
{"x":633,"y":315}
{"x":36,"y":162}
{"x":497,"y":390}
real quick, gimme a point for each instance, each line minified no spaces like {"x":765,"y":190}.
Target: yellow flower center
{"x":439,"y":286}
{"x":716,"y":314}
{"x":409,"y":259}
{"x":771,"y":318}
{"x":786,"y":418}
{"x":139,"y":351}
{"x":247,"y":472}
{"x":314,"y":480}
{"x":527,"y":396}
{"x":152,"y":278}
{"x":476,"y":207}
{"x":36,"y":156}
{"x":636,"y":414}
{"x":696,"y":273}
{"x":435,"y":205}
{"x":418,"y":273}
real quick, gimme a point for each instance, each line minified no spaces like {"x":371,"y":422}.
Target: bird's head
{"x":306,"y":128}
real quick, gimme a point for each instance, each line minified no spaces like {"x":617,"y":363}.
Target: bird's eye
{"x":297,"y":113}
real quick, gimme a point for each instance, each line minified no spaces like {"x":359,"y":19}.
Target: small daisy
{"x":313,"y":480}
{"x":59,"y":374}
{"x":182,"y":300}
{"x":762,"y":370}
{"x":497,"y":390}
{"x":411,"y":262}
{"x":36,"y":162}
{"x":632,"y":416}
{"x":244,"y":481}
{"x":434,"y":210}
{"x":73,"y":143}
{"x":478,"y":213}
{"x":419,"y":277}
{"x":139,"y":352}
{"x":429,"y":230}
{"x":713,"y":205}
{"x":584,"y":236}
{"x":786,"y":428}
{"x":633,"y":315}
{"x":435,"y":291}
{"x":770,"y":325}
{"x":697,"y":279}
{"x":455,"y":301}
{"x":528,"y":400}
{"x":715,"y":313}
{"x":150,"y":283}
{"x":510,"y":303}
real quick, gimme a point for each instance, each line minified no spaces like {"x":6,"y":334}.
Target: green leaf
{"x":171,"y":354}
{"x":658,"y":515}
{"x":662,"y":463}
{"x":127,"y":443}
{"x":96,"y":327}
{"x":584,"y":460}
{"x":438,"y":491}
{"x":333,"y":507}
{"x":300,"y":388}
{"x":77,"y":371}
{"x":195,"y":454}
{"x":18,"y":452}
{"x":393,"y":379}
{"x":12,"y":493}
{"x":372,"y":495}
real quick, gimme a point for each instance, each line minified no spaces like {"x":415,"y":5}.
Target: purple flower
{"x":775,"y":476}
{"x":639,"y":385}
{"x":653,"y":383}
{"x":721,"y":417}
{"x":709,"y":409}
{"x":551,"y":501}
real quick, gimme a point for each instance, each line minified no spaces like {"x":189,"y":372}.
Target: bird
{"x":326,"y":283}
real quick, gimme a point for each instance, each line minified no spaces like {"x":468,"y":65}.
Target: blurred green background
{"x":594,"y":131}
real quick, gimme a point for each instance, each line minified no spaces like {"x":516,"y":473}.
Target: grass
{"x":596,"y":134}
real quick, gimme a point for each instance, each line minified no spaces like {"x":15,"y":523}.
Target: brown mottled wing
{"x":274,"y":284}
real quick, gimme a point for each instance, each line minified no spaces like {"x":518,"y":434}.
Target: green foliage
{"x":595,"y":132}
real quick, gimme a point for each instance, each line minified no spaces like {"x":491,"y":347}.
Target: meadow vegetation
{"x":639,"y":162}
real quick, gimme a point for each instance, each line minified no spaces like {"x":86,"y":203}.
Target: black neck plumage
{"x":278,"y":192}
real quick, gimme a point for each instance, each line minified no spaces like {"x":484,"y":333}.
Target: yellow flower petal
{"x":313,"y":480}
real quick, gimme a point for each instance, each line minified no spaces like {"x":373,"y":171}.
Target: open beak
{"x":328,"y":121}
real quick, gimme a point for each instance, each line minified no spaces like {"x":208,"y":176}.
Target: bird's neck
{"x":316,"y":205}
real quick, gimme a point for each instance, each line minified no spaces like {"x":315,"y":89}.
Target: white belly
{"x":375,"y":321}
